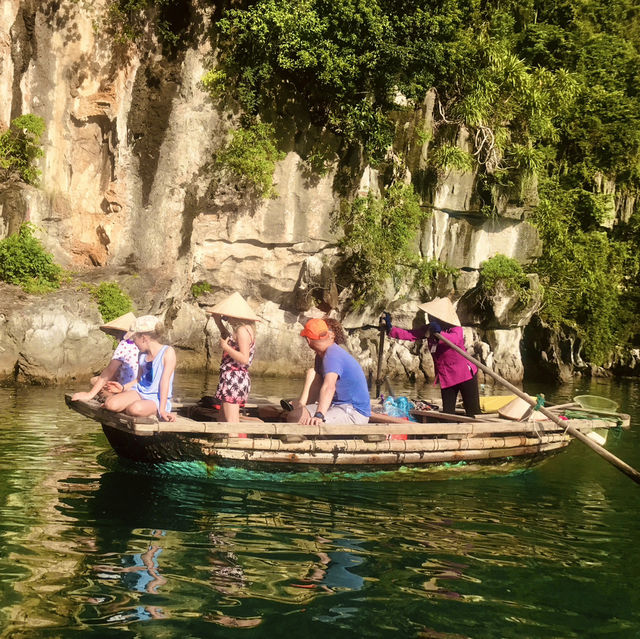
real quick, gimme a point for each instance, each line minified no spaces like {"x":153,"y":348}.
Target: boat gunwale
{"x":185,"y":425}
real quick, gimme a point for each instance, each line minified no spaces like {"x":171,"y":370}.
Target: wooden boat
{"x":436,"y":442}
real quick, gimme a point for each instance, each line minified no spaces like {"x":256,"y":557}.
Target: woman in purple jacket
{"x":453,"y":372}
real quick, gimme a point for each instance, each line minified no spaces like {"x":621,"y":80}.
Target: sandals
{"x":286,"y":405}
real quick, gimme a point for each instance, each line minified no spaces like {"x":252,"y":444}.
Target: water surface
{"x":89,"y":547}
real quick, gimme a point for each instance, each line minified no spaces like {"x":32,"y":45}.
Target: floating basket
{"x":594,"y":402}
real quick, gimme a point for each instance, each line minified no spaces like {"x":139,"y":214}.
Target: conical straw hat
{"x":122,"y":323}
{"x":518,"y":408}
{"x":441,"y":308}
{"x":235,"y":306}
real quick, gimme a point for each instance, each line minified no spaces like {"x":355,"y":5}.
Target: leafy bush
{"x":526,"y":157}
{"x":506,"y":271}
{"x":377,"y":238}
{"x":200,"y":288}
{"x":112,"y":300}
{"x":20,"y":148}
{"x":129,"y":20}
{"x":251,"y":156}
{"x":343,"y":60}
{"x":214,"y":82}
{"x":24,"y":262}
{"x":428,"y":271}
{"x":449,"y":156}
{"x":588,"y":276}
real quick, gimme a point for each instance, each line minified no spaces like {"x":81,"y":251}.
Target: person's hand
{"x":81,"y":397}
{"x":387,"y":321}
{"x":113,"y":387}
{"x":221,"y":327}
{"x":434,"y":327}
{"x":224,"y":343}
{"x":166,"y":417}
{"x":306,"y":417}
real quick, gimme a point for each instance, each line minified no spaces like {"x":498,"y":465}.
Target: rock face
{"x":126,"y":192}
{"x":51,"y":339}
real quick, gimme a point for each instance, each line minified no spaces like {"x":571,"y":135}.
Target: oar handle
{"x":382,"y":328}
{"x":574,"y":432}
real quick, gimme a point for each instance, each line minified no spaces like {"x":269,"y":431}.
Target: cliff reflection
{"x":134,"y":548}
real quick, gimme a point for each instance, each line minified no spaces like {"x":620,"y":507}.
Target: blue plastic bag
{"x":398,"y":407}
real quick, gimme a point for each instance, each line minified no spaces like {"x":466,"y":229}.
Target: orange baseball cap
{"x":315,"y":329}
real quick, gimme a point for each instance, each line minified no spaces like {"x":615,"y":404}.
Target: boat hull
{"x":457,"y":443}
{"x":363,"y":457}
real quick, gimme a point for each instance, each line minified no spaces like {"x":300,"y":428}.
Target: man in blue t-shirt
{"x":338,"y":392}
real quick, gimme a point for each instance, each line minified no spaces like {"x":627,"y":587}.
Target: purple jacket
{"x":451,"y":367}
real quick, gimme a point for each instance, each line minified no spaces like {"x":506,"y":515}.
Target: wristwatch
{"x":319,"y":415}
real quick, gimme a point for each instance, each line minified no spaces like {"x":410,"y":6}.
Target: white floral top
{"x":128,"y":353}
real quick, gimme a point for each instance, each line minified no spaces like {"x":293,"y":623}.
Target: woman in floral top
{"x":123,"y":366}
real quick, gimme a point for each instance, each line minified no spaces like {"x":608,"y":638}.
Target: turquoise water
{"x":91,"y":547}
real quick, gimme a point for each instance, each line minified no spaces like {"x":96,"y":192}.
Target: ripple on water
{"x":93,"y":545}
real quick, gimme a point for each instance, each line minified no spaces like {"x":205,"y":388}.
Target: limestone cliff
{"x":126,"y":194}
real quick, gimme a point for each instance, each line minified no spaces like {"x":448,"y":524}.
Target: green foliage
{"x":527,"y":158}
{"x":200,"y":288}
{"x":20,"y":148}
{"x":505,"y":90}
{"x":450,"y":156}
{"x":559,"y":98}
{"x":428,"y":272}
{"x":129,"y":20}
{"x":424,"y":137}
{"x":586,"y":274}
{"x":251,"y":156}
{"x":24,"y":262}
{"x":506,"y":271}
{"x":599,"y":45}
{"x":112,"y":300}
{"x":378,"y":236}
{"x":548,"y":91}
{"x":343,"y":60}
{"x":214,"y":81}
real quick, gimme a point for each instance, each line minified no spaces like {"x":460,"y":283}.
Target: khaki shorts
{"x":340,"y":414}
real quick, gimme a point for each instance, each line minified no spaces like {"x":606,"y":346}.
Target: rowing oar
{"x":364,"y":327}
{"x":574,"y":432}
{"x":382,"y":328}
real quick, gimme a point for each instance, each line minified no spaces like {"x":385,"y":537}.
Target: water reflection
{"x":88,"y":546}
{"x":235,"y":543}
{"x":212,"y":551}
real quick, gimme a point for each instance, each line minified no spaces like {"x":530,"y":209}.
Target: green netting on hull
{"x":200,"y":470}
{"x":576,"y":414}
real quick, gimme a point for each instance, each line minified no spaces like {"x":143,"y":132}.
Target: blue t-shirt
{"x":351,"y":387}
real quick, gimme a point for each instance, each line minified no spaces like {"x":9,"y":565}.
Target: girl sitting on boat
{"x":453,"y":372}
{"x":123,"y":366}
{"x":151,"y":392}
{"x":238,"y":350}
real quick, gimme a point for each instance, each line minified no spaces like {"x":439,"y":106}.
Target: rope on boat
{"x":531,"y":419}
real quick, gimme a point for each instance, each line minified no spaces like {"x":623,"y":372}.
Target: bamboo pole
{"x":382,"y":329}
{"x":381,"y":458}
{"x":350,"y":446}
{"x":630,"y":472}
{"x":422,"y":430}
